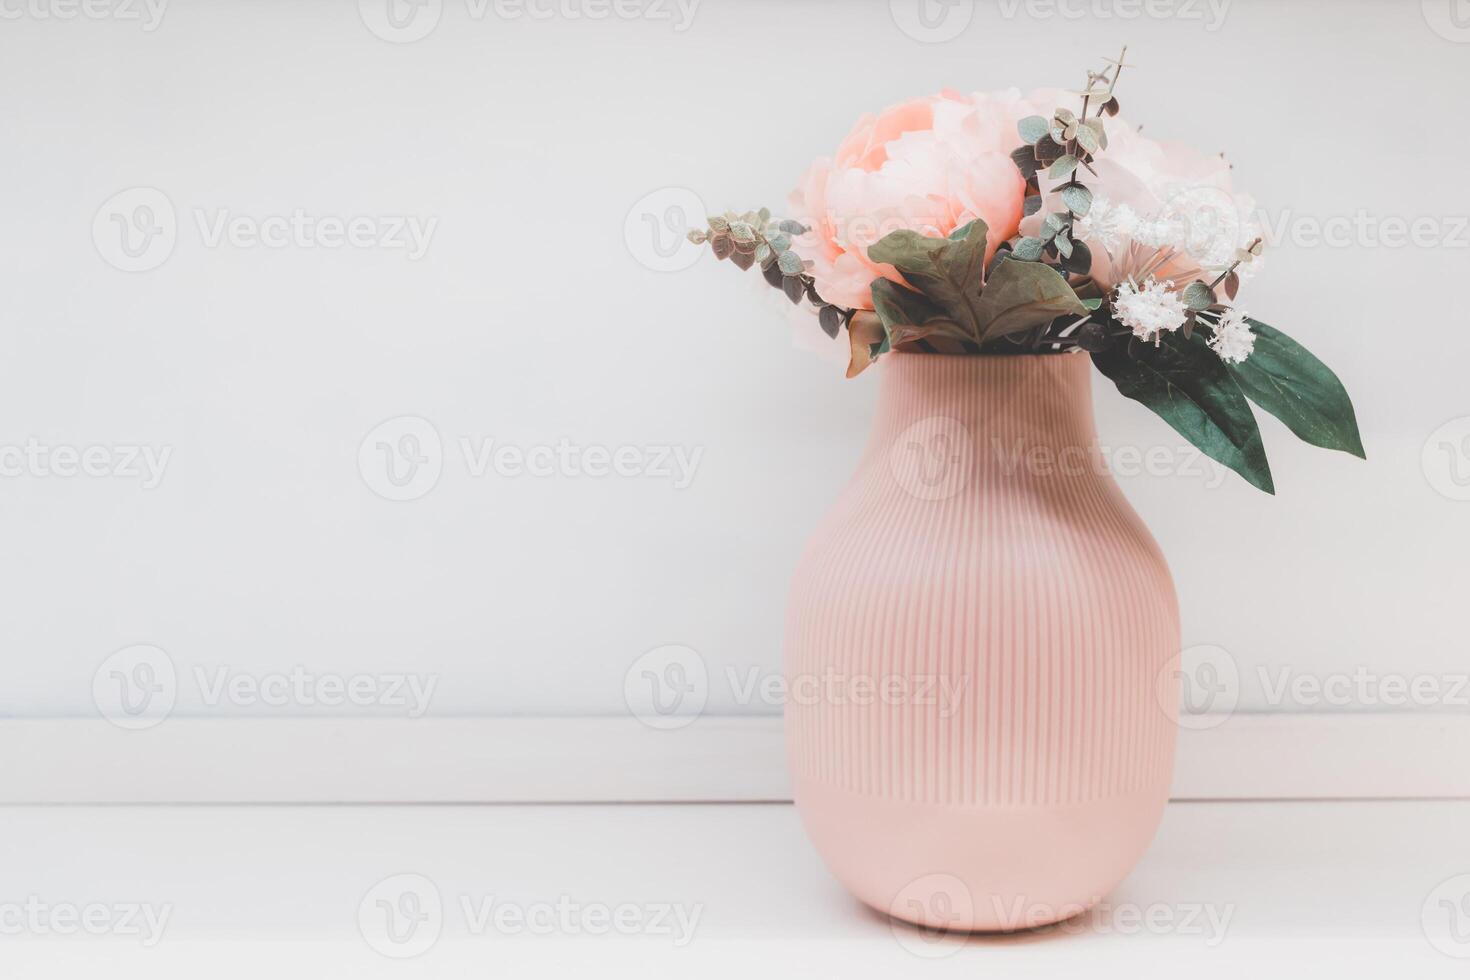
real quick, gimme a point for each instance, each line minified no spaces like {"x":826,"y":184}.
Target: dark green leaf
{"x":1080,"y":261}
{"x":831,"y":320}
{"x":794,"y":288}
{"x":948,"y":271}
{"x":1021,"y":295}
{"x":1285,"y":379}
{"x":908,"y":316}
{"x":1186,"y":385}
{"x":1025,"y":159}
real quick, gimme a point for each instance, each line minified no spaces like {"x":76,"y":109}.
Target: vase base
{"x":978,"y":868}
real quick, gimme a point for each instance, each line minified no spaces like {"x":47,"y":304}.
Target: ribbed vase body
{"x":979,"y":637}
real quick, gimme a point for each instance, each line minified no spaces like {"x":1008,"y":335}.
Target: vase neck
{"x":1035,"y":400}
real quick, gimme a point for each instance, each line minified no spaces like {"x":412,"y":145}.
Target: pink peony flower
{"x":931,"y":166}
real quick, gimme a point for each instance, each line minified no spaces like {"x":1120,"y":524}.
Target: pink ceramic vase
{"x":980,"y":722}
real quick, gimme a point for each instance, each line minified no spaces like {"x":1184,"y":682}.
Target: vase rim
{"x":985,"y":357}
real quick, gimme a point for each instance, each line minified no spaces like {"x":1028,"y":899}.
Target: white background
{"x":535,"y":317}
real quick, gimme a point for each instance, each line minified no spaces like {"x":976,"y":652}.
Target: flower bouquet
{"x":995,"y":224}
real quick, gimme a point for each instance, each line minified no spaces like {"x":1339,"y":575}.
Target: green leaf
{"x":1028,"y":249}
{"x":1287,"y":380}
{"x":948,"y":271}
{"x":1063,"y":167}
{"x":1087,"y":139}
{"x":1098,"y":132}
{"x":1033,"y":128}
{"x":1021,"y":295}
{"x":1198,"y":296}
{"x":1077,"y":198}
{"x":908,"y":316}
{"x":790,"y":263}
{"x":1186,"y":385}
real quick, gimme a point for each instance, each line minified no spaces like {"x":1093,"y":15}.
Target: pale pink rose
{"x":931,"y":166}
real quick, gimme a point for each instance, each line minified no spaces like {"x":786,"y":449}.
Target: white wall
{"x":530,"y":320}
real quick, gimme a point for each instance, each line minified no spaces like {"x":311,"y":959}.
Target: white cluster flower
{"x":1233,"y":339}
{"x":1149,"y":310}
{"x":1106,"y":225}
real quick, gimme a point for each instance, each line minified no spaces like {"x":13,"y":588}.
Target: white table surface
{"x":1272,"y":888}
